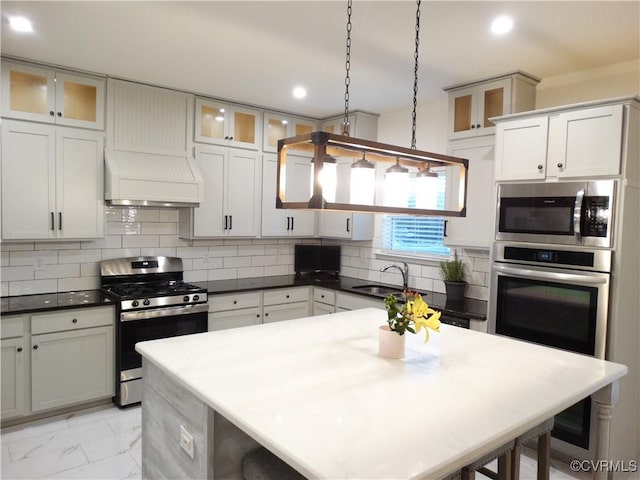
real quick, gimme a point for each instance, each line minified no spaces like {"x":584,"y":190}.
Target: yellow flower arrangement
{"x":412,"y":315}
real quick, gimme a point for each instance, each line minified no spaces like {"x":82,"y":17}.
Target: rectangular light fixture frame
{"x":321,"y":144}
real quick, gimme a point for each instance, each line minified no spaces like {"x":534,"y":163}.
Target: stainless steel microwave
{"x":565,"y":213}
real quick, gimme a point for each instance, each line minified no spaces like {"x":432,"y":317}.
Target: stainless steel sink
{"x":379,"y":290}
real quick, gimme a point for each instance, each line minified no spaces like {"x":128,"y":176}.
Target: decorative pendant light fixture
{"x":396,"y":186}
{"x":426,"y":189}
{"x":328,"y":178}
{"x":331,"y":149}
{"x":363,"y":182}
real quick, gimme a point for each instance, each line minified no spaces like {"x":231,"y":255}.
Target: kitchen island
{"x":315,"y":393}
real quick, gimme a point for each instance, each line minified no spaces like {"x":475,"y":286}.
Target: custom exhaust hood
{"x":151,"y":179}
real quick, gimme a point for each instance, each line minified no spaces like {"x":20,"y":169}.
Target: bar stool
{"x":543,"y":433}
{"x":504,"y":456}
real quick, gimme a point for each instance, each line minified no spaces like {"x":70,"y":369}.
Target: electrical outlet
{"x":38,"y":263}
{"x":186,"y":441}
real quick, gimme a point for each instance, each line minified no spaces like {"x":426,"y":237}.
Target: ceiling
{"x":257,"y":51}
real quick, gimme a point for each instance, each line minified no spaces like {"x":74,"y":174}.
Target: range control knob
{"x":146,"y":302}
{"x":135,"y":303}
{"x":185,"y":298}
{"x":196,"y":298}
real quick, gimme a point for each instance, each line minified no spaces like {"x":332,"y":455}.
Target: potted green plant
{"x":453,"y":273}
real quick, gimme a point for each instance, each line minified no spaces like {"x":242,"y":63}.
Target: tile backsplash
{"x":44,"y":267}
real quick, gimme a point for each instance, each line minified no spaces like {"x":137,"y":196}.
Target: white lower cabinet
{"x":324,"y":301}
{"x":286,"y":304}
{"x":234,"y":310}
{"x":15,"y":366}
{"x":72,"y":357}
{"x":347,"y":301}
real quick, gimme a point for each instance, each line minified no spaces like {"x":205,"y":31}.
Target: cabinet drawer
{"x":289,"y":295}
{"x":354,"y":302}
{"x":279,"y":313}
{"x":234,"y":318}
{"x":72,"y":320}
{"x":323,"y":295}
{"x":12,"y":327}
{"x":220,"y":303}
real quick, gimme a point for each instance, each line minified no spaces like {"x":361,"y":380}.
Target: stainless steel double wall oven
{"x":151,"y":302}
{"x":551,"y":276}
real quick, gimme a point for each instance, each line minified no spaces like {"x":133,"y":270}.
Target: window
{"x":414,"y":234}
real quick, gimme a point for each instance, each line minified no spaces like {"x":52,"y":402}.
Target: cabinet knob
{"x":559,"y":165}
{"x":478,"y":125}
{"x":288,"y":296}
{"x":321,"y":296}
{"x":35,"y":347}
{"x":75,"y":320}
{"x":235,"y":302}
{"x":540,"y":167}
{"x":19,"y":349}
{"x":266,"y":314}
{"x":51,"y":112}
{"x":473,"y":126}
{"x":257,"y":315}
{"x":59,"y":114}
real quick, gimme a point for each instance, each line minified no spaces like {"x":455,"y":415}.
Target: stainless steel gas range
{"x":151,"y":302}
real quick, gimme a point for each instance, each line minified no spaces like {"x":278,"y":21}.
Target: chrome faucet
{"x":404,"y":270}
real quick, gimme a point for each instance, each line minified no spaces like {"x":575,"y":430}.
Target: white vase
{"x":390,"y":344}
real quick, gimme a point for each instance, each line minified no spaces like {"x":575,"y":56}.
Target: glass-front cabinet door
{"x":278,"y":126}
{"x":225,"y":124}
{"x":471,"y":108}
{"x":43,"y":95}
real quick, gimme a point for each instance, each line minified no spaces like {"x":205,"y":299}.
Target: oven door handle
{"x":554,"y":276}
{"x":164,"y":312}
{"x":577,"y":216}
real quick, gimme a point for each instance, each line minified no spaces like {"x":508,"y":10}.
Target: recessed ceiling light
{"x":20,"y":24}
{"x":502,"y":25}
{"x":299,"y":92}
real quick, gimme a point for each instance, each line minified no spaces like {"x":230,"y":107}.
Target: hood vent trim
{"x":151,"y":179}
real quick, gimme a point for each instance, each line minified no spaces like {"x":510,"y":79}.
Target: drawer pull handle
{"x":35,"y":347}
{"x":75,"y":320}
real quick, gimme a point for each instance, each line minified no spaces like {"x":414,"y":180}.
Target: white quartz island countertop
{"x":315,"y":392}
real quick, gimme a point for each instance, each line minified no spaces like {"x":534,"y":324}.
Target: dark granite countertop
{"x":467,"y":308}
{"x":52,"y":301}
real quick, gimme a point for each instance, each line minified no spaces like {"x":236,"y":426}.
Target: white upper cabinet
{"x":231,"y":203}
{"x":361,"y":125}
{"x":44,"y":95}
{"x":576,"y":142}
{"x":52,"y":182}
{"x":471,"y":105}
{"x":477,"y":228}
{"x":278,"y":222}
{"x":350,"y":226}
{"x":225,"y":124}
{"x":278,"y":126}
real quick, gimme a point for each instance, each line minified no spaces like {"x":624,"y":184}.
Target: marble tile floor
{"x":104,"y":443}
